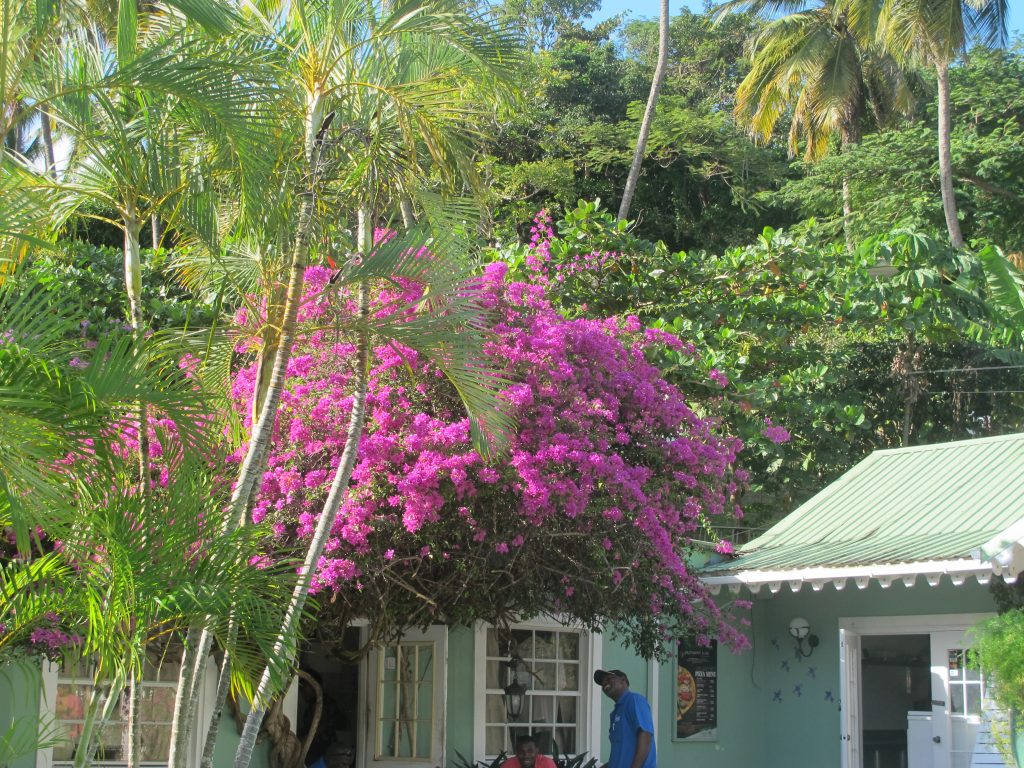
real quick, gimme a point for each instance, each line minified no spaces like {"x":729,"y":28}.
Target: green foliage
{"x":702,"y":184}
{"x":848,"y":352}
{"x":894,"y":174}
{"x":998,"y":648}
{"x":706,"y":60}
{"x":88,"y":280}
{"x":542,"y":21}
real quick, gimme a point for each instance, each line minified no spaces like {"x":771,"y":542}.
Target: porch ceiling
{"x":952,"y":508}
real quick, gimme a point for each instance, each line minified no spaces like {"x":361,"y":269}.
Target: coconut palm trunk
{"x":949,"y":207}
{"x":648,"y":119}
{"x":47,"y":135}
{"x":849,"y":135}
{"x":284,"y":647}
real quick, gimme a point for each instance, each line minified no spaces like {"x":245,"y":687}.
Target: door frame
{"x":366,"y":749}
{"x":851,"y":627}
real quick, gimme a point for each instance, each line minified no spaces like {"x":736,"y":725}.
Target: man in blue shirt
{"x":631,"y":731}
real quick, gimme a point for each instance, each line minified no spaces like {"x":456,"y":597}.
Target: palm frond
{"x":61,"y":402}
{"x":414,"y":255}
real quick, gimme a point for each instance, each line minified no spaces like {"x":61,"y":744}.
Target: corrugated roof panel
{"x":934,"y":502}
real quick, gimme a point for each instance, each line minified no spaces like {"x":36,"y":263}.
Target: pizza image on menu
{"x":687,"y":692}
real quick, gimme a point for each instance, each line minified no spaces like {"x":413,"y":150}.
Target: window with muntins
{"x":552,"y":670}
{"x":156,"y":709}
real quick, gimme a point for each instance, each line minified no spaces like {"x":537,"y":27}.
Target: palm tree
{"x":372,"y":88}
{"x":815,"y":65}
{"x":648,"y":118}
{"x":29,"y":31}
{"x":169,"y":122}
{"x":936,"y":32}
{"x":63,"y":471}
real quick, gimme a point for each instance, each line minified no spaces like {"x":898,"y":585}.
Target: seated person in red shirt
{"x":528,"y":756}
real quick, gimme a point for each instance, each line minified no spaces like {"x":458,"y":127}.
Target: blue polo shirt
{"x":632,"y":713}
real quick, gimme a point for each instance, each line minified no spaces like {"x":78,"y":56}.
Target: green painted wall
{"x":459,"y":718}
{"x":227,"y":743}
{"x":775,"y":710}
{"x":796,"y":701}
{"x":19,"y":707}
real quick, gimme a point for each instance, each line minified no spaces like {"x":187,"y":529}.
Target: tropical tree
{"x":374,"y":91}
{"x":131,"y":568}
{"x":814,"y":66}
{"x":648,"y":118}
{"x":936,"y":32}
{"x":892,"y":172}
{"x":543,"y":20}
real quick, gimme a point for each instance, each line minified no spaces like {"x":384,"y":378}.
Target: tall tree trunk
{"x":270,"y":342}
{"x":156,"y":230}
{"x":408,"y":213}
{"x":83,"y":752}
{"x":254,"y":464}
{"x":96,"y":718}
{"x":223,"y":688}
{"x":183,"y":698}
{"x":645,"y":124}
{"x":133,"y":731}
{"x":945,"y":156}
{"x":133,"y":288}
{"x":47,"y":134}
{"x":847,"y":213}
{"x":848,"y":136}
{"x":284,"y":646}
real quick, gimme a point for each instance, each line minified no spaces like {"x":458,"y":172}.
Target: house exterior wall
{"x":803,"y":727}
{"x":775,"y":710}
{"x":459,"y":706}
{"x":763,"y":719}
{"x":20,"y":685}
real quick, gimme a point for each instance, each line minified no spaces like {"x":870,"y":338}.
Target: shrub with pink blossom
{"x":589,"y":515}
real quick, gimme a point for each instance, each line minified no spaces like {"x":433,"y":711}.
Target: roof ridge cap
{"x":951,"y":444}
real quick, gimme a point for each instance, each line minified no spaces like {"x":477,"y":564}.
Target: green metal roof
{"x":905,"y":505}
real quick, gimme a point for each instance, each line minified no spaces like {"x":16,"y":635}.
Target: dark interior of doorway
{"x":894,"y":681}
{"x":330,"y":665}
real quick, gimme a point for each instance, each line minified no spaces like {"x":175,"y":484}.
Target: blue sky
{"x":639,"y":9}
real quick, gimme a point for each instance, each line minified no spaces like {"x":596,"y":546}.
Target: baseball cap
{"x":601,"y":674}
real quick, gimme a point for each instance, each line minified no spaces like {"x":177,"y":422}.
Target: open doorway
{"x":330,"y":666}
{"x":895,"y":681}
{"x":946,"y":725}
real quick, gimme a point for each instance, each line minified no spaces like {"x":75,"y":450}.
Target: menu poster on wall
{"x":697,"y":691}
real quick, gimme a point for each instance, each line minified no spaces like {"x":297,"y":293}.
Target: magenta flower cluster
{"x":605,"y":447}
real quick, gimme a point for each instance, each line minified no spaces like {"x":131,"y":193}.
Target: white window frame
{"x":589,"y":716}
{"x":47,"y":701}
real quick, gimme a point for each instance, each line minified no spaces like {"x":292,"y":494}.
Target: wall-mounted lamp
{"x":515,"y":692}
{"x":801,"y":632}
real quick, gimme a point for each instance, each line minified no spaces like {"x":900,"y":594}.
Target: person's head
{"x":339,"y":756}
{"x":613,"y":682}
{"x":526,"y":751}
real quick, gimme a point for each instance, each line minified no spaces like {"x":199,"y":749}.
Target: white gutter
{"x":1006,"y":548}
{"x":958,"y":572}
